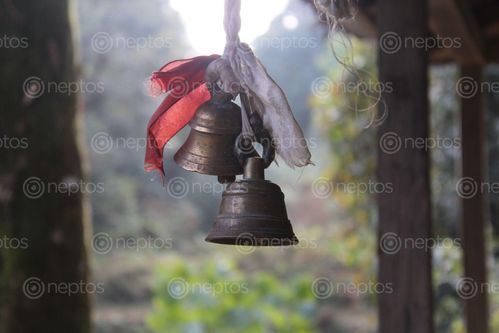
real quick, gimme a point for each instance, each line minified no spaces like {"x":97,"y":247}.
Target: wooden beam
{"x":454,"y":19}
{"x":405,"y":212}
{"x":474,"y":216}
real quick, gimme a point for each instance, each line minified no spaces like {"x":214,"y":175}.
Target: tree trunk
{"x":41,"y":221}
{"x":404,"y":214}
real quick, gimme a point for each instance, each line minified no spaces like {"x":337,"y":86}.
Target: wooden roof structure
{"x":474,"y":22}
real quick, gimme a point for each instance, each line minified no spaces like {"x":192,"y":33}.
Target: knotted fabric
{"x":183,"y":81}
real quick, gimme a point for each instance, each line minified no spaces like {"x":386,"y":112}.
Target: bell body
{"x":209,"y":148}
{"x":252,"y":212}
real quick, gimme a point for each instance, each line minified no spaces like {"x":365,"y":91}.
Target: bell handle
{"x":268,"y":148}
{"x":255,"y":133}
{"x":244,"y":148}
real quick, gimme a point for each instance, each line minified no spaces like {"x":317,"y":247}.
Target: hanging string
{"x":333,"y":13}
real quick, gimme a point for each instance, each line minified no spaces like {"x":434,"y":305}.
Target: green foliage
{"x":218,"y":298}
{"x":346,"y":114}
{"x":445,"y":158}
{"x":141,"y":36}
{"x":446,"y":274}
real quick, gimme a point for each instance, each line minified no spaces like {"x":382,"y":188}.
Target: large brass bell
{"x":252,"y":212}
{"x":209,"y":148}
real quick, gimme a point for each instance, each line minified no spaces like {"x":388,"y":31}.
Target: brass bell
{"x":209,"y":148}
{"x":252,"y":212}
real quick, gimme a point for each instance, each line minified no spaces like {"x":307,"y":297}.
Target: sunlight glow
{"x":203,"y":21}
{"x":290,"y":22}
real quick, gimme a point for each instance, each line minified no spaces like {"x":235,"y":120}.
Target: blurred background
{"x":147,"y":266}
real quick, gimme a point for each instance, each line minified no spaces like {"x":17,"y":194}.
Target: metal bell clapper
{"x":252,"y":212}
{"x":209,"y":148}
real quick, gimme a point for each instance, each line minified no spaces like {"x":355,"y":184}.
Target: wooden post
{"x":406,"y":211}
{"x":473,"y":223}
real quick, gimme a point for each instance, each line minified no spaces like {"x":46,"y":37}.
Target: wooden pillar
{"x":406,"y":211}
{"x":473,"y":202}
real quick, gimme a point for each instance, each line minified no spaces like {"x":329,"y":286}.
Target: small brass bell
{"x":252,"y":212}
{"x":209,"y":148}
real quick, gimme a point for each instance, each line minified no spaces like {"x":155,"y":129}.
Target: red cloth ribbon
{"x":184,"y":81}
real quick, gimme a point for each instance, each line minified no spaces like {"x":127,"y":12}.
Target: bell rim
{"x":236,"y":230}
{"x":259,"y":241}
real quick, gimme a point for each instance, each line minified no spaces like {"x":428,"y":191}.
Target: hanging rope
{"x":333,"y":13}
